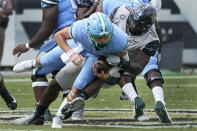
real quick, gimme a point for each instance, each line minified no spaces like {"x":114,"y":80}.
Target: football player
{"x":98,"y":36}
{"x":48,"y":59}
{"x":137,"y":19}
{"x":5,"y":10}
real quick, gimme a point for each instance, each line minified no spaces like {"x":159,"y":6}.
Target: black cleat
{"x":72,"y":106}
{"x":34,"y":118}
{"x":8,"y":98}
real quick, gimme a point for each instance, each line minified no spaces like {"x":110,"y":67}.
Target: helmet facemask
{"x":141,"y":19}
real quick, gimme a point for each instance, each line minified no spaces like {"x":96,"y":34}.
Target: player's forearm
{"x":100,"y":6}
{"x":159,"y":34}
{"x":61,"y":40}
{"x":49,"y":19}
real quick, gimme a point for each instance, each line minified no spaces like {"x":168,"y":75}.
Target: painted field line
{"x":133,"y":126}
{"x":140,"y":77}
{"x":28,"y":110}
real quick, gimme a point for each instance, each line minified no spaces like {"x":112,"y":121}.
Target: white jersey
{"x":134,"y":42}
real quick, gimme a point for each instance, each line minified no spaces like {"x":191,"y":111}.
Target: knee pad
{"x":153,"y":75}
{"x":39,"y":81}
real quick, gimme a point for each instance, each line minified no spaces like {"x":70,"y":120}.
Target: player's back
{"x":66,"y":13}
{"x":116,"y":45}
{"x":109,"y":6}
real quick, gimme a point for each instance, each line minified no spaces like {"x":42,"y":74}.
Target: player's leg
{"x":8,"y":98}
{"x":65,"y":79}
{"x":155,"y":81}
{"x":28,"y":65}
{"x":2,"y":38}
{"x":82,"y":79}
{"x":138,"y":104}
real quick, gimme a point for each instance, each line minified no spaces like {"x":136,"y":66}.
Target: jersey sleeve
{"x":48,"y":3}
{"x":76,"y":30}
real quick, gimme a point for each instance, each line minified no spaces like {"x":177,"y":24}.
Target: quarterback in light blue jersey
{"x":98,"y":36}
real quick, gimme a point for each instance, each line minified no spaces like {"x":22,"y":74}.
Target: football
{"x":101,"y":64}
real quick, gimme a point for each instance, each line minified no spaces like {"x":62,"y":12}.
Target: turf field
{"x":107,"y":112}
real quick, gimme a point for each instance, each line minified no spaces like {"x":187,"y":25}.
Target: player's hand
{"x":102,"y":75}
{"x":18,"y":50}
{"x":77,"y":59}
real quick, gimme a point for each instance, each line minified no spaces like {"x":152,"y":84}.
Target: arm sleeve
{"x":76,"y":30}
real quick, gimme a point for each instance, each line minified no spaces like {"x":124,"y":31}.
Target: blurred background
{"x":177,"y":19}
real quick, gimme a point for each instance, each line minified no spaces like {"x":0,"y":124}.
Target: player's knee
{"x":38,"y":57}
{"x":154,"y":78}
{"x":54,"y":86}
{"x":39,"y":81}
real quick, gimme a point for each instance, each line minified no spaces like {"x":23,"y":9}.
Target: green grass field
{"x":107,"y":112}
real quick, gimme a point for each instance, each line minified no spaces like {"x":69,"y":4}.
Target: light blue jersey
{"x":66,"y":16}
{"x":109,"y":6}
{"x":66,"y":13}
{"x":117,"y":44}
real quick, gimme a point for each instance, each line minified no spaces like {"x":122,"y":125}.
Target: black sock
{"x":84,"y":95}
{"x":40,"y":109}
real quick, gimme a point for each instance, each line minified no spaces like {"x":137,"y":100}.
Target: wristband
{"x":27,"y":45}
{"x":70,"y":52}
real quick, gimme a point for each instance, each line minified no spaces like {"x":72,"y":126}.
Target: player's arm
{"x":159,"y":35}
{"x":100,"y":6}
{"x":61,"y":37}
{"x":120,"y":60}
{"x":7,"y":9}
{"x":49,"y":19}
{"x":84,"y":12}
{"x":86,"y":8}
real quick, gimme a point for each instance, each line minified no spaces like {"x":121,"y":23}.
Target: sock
{"x":40,"y":109}
{"x":59,"y":112}
{"x":158,"y":94}
{"x":129,"y":90}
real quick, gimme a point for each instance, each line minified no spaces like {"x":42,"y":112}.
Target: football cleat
{"x":9,"y":99}
{"x":47,"y":115}
{"x":34,"y":118}
{"x":73,"y":105}
{"x":23,"y":66}
{"x":139,"y":114}
{"x":24,"y":120}
{"x":161,"y":111}
{"x":57,"y":122}
{"x":78,"y":114}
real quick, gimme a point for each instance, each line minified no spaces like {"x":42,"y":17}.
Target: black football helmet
{"x":140,"y":19}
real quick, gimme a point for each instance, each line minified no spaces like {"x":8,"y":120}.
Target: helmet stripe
{"x":102,"y":22}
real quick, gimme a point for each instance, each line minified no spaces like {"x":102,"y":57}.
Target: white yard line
{"x":140,"y":77}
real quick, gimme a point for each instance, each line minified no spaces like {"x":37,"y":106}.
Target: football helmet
{"x":140,"y":19}
{"x":100,"y":30}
